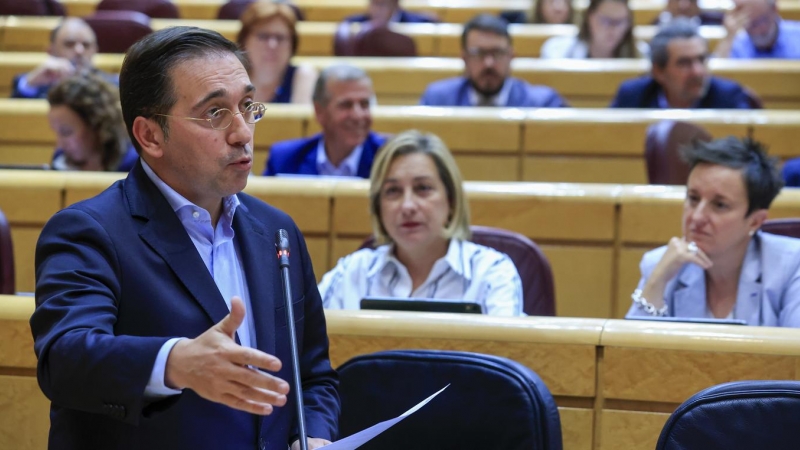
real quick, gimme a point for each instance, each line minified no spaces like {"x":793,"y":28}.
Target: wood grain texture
{"x":25,"y":413}
{"x":630,"y":429}
{"x":649,"y":374}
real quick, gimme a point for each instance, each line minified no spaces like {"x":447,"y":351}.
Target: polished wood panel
{"x":591,"y":297}
{"x":644,"y":11}
{"x":584,"y":169}
{"x":562,"y":361}
{"x":630,"y":429}
{"x":26,"y":423}
{"x":576,"y":427}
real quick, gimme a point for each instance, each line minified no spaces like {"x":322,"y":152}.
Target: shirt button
{"x":195,"y":214}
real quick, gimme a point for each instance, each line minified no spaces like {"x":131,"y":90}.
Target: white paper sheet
{"x":362,"y":437}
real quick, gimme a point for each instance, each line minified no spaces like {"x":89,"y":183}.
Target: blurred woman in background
{"x":421,"y":217}
{"x":605,"y":32}
{"x":269,"y":39}
{"x":87,"y":119}
{"x":723,"y":266}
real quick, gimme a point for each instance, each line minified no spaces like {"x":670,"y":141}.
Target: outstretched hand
{"x":220,"y":370}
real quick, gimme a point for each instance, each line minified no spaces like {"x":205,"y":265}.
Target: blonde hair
{"x":413,"y":141}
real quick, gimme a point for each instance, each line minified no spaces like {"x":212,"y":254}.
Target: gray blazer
{"x":769,"y":285}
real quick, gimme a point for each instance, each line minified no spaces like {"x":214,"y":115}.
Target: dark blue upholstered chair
{"x":736,"y":416}
{"x":492,"y":402}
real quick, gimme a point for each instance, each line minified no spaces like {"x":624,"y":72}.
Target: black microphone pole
{"x":282,"y":247}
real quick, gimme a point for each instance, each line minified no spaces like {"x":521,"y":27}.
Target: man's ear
{"x":149,"y":136}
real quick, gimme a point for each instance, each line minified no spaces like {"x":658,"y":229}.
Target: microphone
{"x":282,"y":248}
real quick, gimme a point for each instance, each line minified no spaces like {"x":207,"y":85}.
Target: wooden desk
{"x":644,"y":11}
{"x":32,"y":34}
{"x":493,"y":144}
{"x":584,"y":83}
{"x":615,"y":382}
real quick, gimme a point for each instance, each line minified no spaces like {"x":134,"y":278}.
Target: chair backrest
{"x":234,"y":9}
{"x":538,"y":288}
{"x":31,"y":8}
{"x":363,"y":39}
{"x":161,"y":9}
{"x":6,"y":258}
{"x":736,"y":416}
{"x":492,"y":402}
{"x":662,"y":150}
{"x":784,"y":227}
{"x":118,"y":30}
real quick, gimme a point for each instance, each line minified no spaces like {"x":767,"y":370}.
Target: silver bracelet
{"x":648,"y":307}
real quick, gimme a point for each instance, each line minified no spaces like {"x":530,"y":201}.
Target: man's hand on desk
{"x":216,"y":367}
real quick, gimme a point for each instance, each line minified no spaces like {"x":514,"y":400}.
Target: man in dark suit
{"x":160,"y":321}
{"x":382,"y":12}
{"x":346,"y":146}
{"x":72,"y":48}
{"x":487,"y":53}
{"x":680,"y":77}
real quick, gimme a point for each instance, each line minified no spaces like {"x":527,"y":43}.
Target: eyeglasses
{"x":482,"y":53}
{"x":267,"y":37}
{"x":222,"y":118}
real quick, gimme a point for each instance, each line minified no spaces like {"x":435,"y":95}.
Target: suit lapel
{"x":260,"y":266}
{"x":748,"y":293}
{"x":166,"y":236}
{"x":308,"y":165}
{"x":690,"y":293}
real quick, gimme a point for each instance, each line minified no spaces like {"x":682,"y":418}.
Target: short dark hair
{"x":678,"y":28}
{"x":145,"y":83}
{"x":488,"y":23}
{"x":761,"y":177}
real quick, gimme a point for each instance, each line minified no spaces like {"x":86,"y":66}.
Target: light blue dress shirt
{"x":787,"y":44}
{"x":347,"y":168}
{"x":220,"y":255}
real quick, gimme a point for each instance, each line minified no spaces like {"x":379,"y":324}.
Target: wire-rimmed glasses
{"x":222,"y":118}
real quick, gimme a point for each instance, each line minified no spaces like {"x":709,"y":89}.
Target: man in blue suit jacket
{"x":346,"y":146}
{"x":160,"y":321}
{"x":487,"y":53}
{"x":385,"y":11}
{"x":72,"y":47}
{"x":680,"y":77}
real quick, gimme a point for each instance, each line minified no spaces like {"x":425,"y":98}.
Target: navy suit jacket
{"x":41,"y":91}
{"x":299,"y":156}
{"x":643,"y":92}
{"x":117,"y":276}
{"x":405,"y":17}
{"x":455,"y":92}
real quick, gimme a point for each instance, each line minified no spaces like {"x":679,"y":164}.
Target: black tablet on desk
{"x":690,"y":320}
{"x":420,"y":305}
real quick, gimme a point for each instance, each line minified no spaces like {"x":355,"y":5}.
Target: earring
{"x":752,"y":232}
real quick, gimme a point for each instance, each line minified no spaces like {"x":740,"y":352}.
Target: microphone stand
{"x":282,"y":247}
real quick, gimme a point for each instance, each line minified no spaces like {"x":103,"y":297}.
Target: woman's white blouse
{"x":468,"y":272}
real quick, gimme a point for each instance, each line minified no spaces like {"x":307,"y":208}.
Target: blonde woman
{"x":420,"y":217}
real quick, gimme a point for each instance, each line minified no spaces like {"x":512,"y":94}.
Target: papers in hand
{"x":362,"y":437}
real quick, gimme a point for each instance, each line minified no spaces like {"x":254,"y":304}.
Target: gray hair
{"x":679,"y":28}
{"x":337,"y":72}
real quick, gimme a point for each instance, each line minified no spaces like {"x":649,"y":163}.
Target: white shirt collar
{"x":348,"y":166}
{"x":499,"y":99}
{"x":455,"y":259}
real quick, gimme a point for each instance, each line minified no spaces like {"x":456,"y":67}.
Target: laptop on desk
{"x":420,"y":305}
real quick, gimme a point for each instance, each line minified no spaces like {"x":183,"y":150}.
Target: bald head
{"x":74,"y":40}
{"x":762,"y":21}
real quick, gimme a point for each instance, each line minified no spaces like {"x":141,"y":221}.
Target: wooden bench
{"x":32,"y":34}
{"x":557,"y":145}
{"x":644,"y":11}
{"x":615,"y":382}
{"x":593,"y":234}
{"x":584,"y":83}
